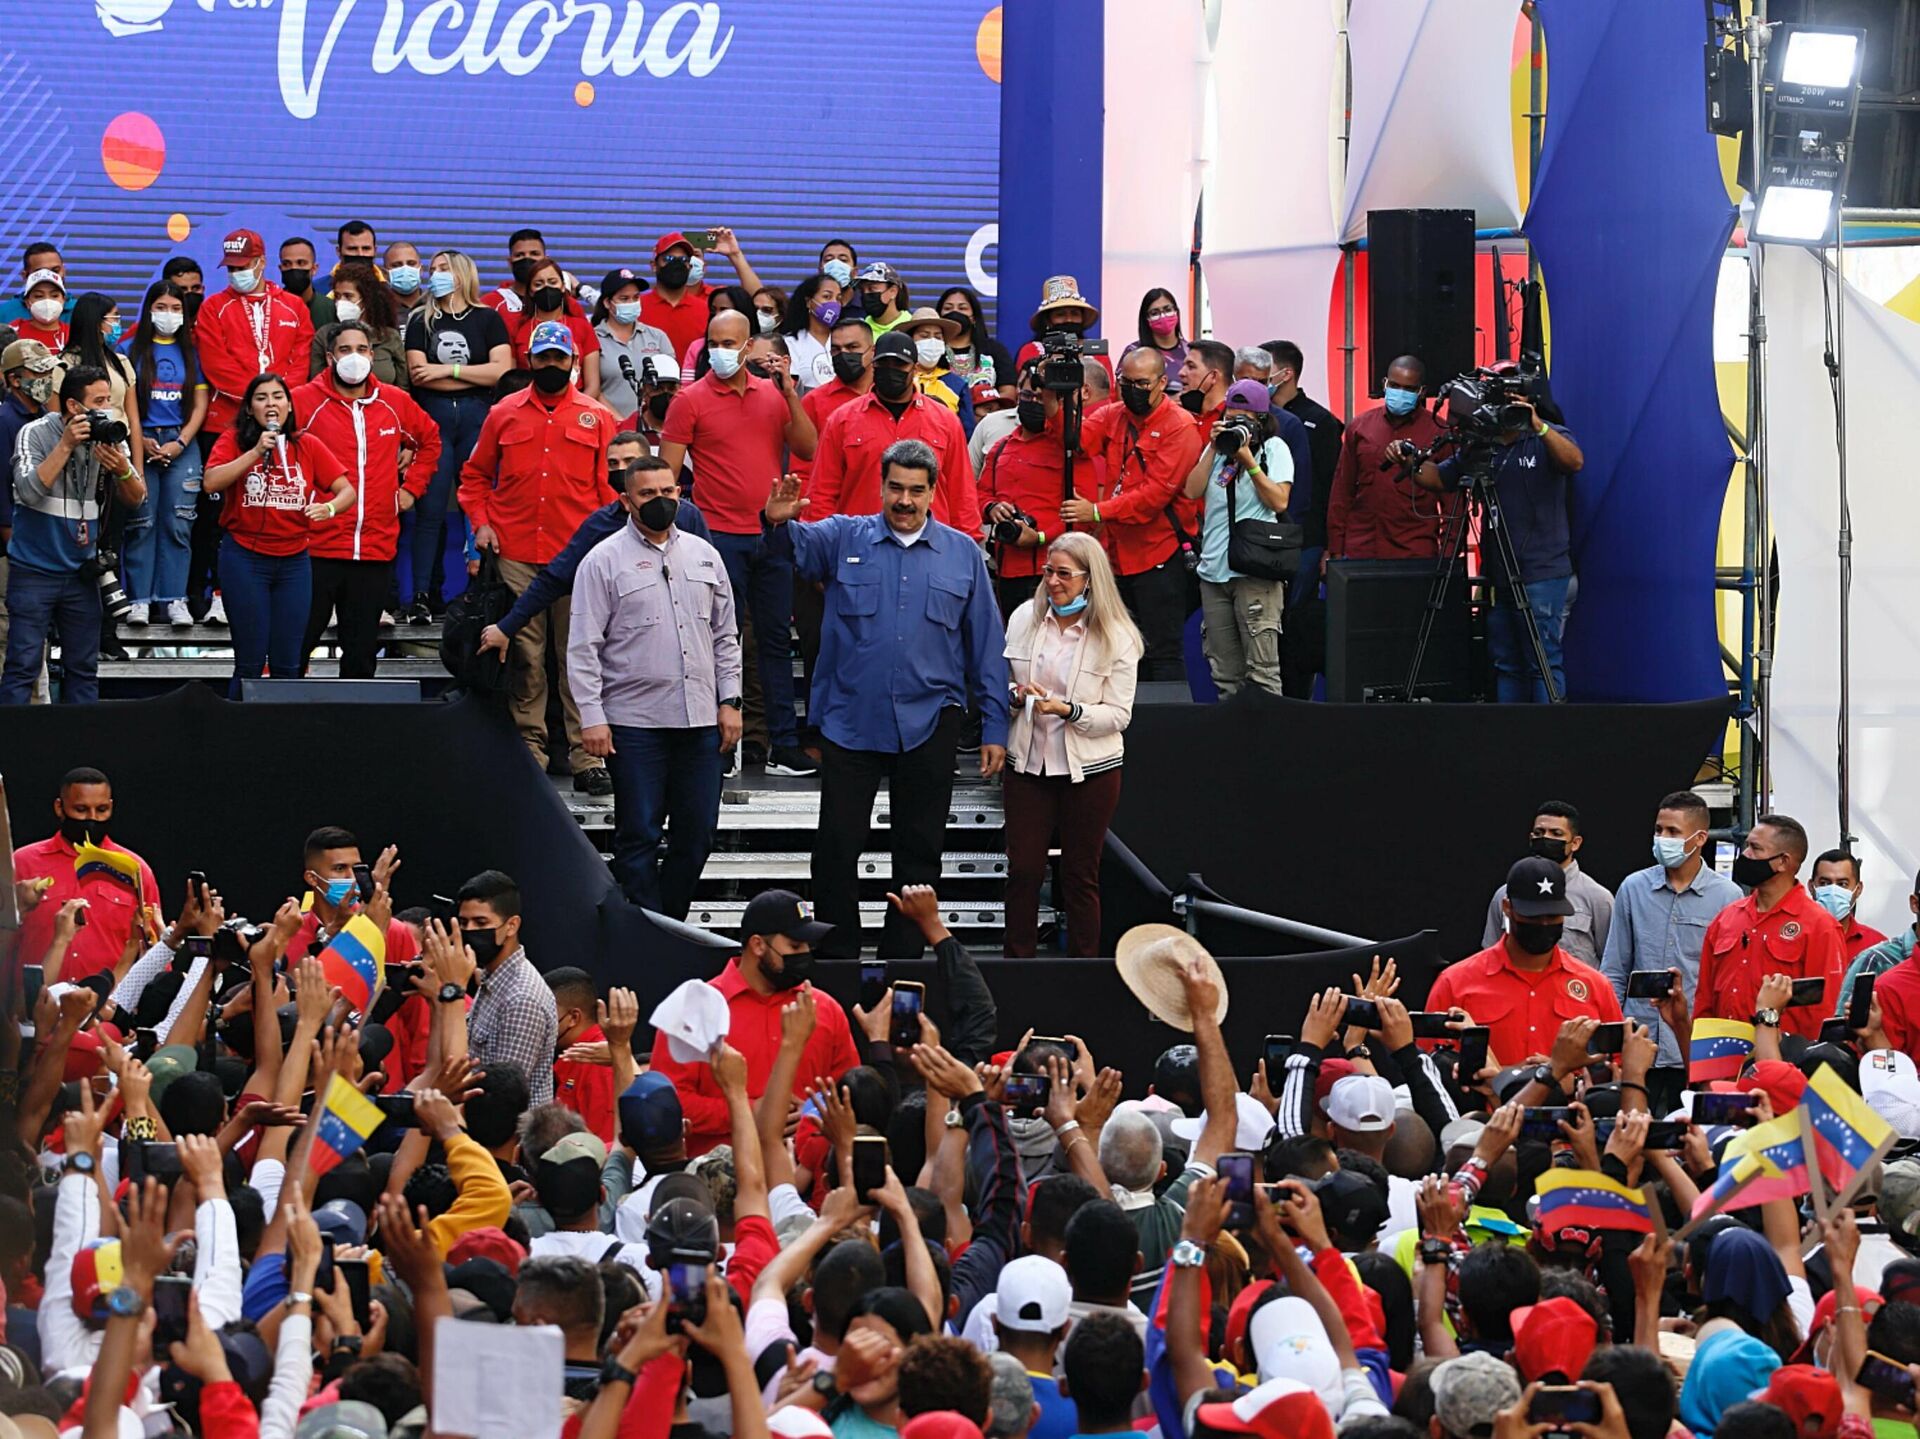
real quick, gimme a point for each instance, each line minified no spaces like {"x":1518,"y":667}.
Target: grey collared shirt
{"x":514,"y":1021}
{"x":1585,"y":937}
{"x":654,"y":643}
{"x":1658,"y":927}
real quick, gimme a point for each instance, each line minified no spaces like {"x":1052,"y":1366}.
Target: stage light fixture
{"x":1816,"y":75}
{"x":1798,"y":199}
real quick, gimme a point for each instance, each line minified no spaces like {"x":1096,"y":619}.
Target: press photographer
{"x":69,"y":468}
{"x":1525,"y":466}
{"x":1023,"y":478}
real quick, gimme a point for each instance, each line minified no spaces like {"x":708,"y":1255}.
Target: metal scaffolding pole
{"x":1756,"y":617}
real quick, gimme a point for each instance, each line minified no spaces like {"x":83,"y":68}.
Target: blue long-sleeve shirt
{"x":555,"y":580}
{"x":909,"y":630}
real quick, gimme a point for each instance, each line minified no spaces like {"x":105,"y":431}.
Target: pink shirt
{"x":1054,"y":656}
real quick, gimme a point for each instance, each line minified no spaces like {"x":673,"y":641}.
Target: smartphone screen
{"x":1649,"y":984}
{"x":873,"y":983}
{"x":1808,"y":991}
{"x":1433,"y":1023}
{"x":1362,"y":1013}
{"x":1473,"y":1051}
{"x":1836,"y":1031}
{"x":1860,"y":1002}
{"x":1274,"y":1050}
{"x":1722,"y":1108}
{"x":197,"y":946}
{"x":1027,"y":1094}
{"x":1607,"y":1039}
{"x":686,"y":1293}
{"x":363,"y":881}
{"x":323,"y":1276}
{"x":33,"y":978}
{"x":356,"y":1272}
{"x":1564,"y":1404}
{"x":1661,"y":1133}
{"x":1885,"y":1377}
{"x":152,"y":1160}
{"x":398,"y":1109}
{"x":908,"y":1000}
{"x":1543,"y":1124}
{"x":170,"y":1294}
{"x":1237,"y":1170}
{"x":869,"y":1165}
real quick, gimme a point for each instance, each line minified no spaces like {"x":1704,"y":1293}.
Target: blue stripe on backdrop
{"x":1630,"y":219}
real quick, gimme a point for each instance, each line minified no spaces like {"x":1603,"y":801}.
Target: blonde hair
{"x":466,"y":286}
{"x":1108,"y":624}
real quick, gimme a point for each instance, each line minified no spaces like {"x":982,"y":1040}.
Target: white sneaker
{"x":217,"y":612}
{"x":178,"y":615}
{"x":386,"y":619}
{"x":136,"y":615}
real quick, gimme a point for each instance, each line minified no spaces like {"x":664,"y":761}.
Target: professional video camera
{"x":1484,"y":404}
{"x":1061,"y":352}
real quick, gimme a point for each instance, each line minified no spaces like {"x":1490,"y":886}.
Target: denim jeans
{"x":1516,"y":673}
{"x":763,"y":586}
{"x":157,"y":543}
{"x":459,"y":417}
{"x":268,"y":597}
{"x":36,"y":602}
{"x":661,"y":775}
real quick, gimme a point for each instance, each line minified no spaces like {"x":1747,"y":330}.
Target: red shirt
{"x":1896,"y":991}
{"x":1523,"y":1011}
{"x":507,"y":300}
{"x":821,"y":403}
{"x":1376,"y":514}
{"x":1143,"y":467}
{"x":537,"y":471}
{"x":1743,"y":946}
{"x":368,"y":433}
{"x":238,"y":336}
{"x":112,"y":908}
{"x":1858,"y":937}
{"x":1028,"y":471}
{"x":587,"y":1089}
{"x":754,"y":1030}
{"x":265,"y":509}
{"x":846,"y":463}
{"x":737,"y":440}
{"x":520,"y":334}
{"x":683,"y":322}
{"x":402,"y":947}
{"x":53,"y":336}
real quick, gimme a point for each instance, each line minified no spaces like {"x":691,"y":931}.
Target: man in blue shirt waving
{"x":911,"y":636}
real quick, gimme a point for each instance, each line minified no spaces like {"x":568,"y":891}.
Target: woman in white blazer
{"x":1074,"y":653}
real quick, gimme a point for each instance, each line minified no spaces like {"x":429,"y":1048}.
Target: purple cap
{"x":1249,"y":395}
{"x":550,"y":335}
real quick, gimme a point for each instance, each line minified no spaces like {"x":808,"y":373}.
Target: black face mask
{"x":849,"y":366}
{"x":296,"y":282}
{"x":549,"y":299}
{"x":523,"y":268}
{"x":485,"y":944}
{"x":1751,"y":873}
{"x":1033,"y":415}
{"x":795,"y":970}
{"x":657,"y":405}
{"x":890,"y":382}
{"x":1137,"y":398}
{"x":758,"y":369}
{"x":1535,"y":938}
{"x":1193,"y":402}
{"x":658,"y":513}
{"x":965,"y":337}
{"x":673,"y":273}
{"x":1548,"y":847}
{"x":551,"y":379}
{"x":79,"y":831}
{"x":875,"y":302}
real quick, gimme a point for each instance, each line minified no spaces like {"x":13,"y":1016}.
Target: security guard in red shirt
{"x":1777,"y":929}
{"x":1525,"y":987}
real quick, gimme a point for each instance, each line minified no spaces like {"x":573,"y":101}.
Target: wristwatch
{"x":346,"y":1344}
{"x":732,"y":702}
{"x":300,"y":1296}
{"x":450,"y":994}
{"x":825,"y":1384}
{"x":1543,"y":1074}
{"x":1766,"y":1018}
{"x":612,"y":1371}
{"x":1435,"y":1251}
{"x":953,"y":1120}
{"x":125,"y":1303}
{"x":79,"y":1164}
{"x":1188,"y":1255}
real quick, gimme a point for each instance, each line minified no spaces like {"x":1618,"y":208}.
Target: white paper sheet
{"x":497,"y":1381}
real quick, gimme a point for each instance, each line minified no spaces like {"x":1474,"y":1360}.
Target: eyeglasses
{"x":1054,"y":572}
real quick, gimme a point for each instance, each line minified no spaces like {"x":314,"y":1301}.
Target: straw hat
{"x":1058,"y":293}
{"x":1151,"y":958}
{"x":927,"y":315}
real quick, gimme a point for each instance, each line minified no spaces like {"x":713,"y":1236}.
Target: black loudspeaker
{"x":1373,"y":619}
{"x":1420,"y":282}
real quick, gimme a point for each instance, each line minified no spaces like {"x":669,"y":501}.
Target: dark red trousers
{"x":1038,"y":806}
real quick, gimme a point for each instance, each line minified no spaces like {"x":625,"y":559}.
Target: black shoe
{"x":791,"y":761}
{"x":752,"y":752}
{"x":969,"y":737}
{"x":417,"y":613}
{"x":596,"y":782}
{"x":112,"y":649}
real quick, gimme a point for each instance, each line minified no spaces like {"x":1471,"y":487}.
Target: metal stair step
{"x":986,"y":914}
{"x":218,"y":667}
{"x":220,"y":637}
{"x":730,"y":866}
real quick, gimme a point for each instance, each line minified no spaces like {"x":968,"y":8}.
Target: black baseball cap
{"x":781,"y":911}
{"x":1353,"y":1208}
{"x":1537,"y":889}
{"x":894,"y":345}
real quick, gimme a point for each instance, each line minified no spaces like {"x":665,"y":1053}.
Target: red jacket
{"x":1028,"y":471}
{"x":1143,"y":465}
{"x":821,"y":403}
{"x":846,"y":463}
{"x":1743,"y":946}
{"x":113,"y":908}
{"x":368,"y":435}
{"x":537,"y":471}
{"x":227,"y":336}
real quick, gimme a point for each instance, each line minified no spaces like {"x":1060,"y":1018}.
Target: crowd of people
{"x":1646,"y":1165}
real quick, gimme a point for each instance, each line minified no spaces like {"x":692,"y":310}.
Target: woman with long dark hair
{"x":547,"y":299}
{"x":1160,"y":331}
{"x":811,"y":310}
{"x":170,"y":397}
{"x":976,"y":353}
{"x":279,"y":484}
{"x":360,"y":294}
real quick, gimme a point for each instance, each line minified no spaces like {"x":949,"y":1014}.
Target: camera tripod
{"x":1478,"y":495}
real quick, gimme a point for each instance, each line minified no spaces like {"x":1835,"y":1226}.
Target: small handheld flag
{"x":355,"y":960}
{"x":1846,"y":1133}
{"x":1719,"y":1050}
{"x":1780,"y":1143}
{"x":1584,"y":1197}
{"x":91,"y":859}
{"x":1737,"y":1174}
{"x":347,"y":1120}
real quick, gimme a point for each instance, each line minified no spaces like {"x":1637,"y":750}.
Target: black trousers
{"x":203,"y":544}
{"x":1014,"y":593}
{"x":357,"y":591}
{"x":1159,"y":601}
{"x":920,"y":790}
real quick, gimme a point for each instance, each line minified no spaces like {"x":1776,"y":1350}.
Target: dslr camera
{"x":1007,"y":531}
{"x":1233,"y":435}
{"x":104,"y":429}
{"x":1061,"y":352}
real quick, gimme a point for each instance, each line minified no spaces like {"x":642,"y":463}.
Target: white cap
{"x":1033,"y":1296}
{"x":1361,"y":1103}
{"x":793,"y":1422}
{"x":694,"y":1018}
{"x":1290,"y":1342}
{"x":1891,"y":1085}
{"x":1255,"y":1124}
{"x":48,"y":277}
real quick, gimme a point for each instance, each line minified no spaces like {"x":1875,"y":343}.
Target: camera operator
{"x":1530,"y":464}
{"x":1024,"y":477}
{"x":64,"y":479}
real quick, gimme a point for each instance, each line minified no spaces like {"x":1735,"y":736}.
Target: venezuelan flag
{"x":1584,"y":1197}
{"x":1782,"y":1143}
{"x":355,"y":959}
{"x":1737,"y":1174}
{"x":1846,"y":1131}
{"x":91,"y":859}
{"x":346,"y":1122}
{"x":1720,"y":1050}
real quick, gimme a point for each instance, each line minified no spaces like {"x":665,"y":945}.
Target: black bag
{"x":1262,"y":549}
{"x":484,"y":602}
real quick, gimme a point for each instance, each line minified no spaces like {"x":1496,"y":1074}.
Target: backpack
{"x":484,"y":602}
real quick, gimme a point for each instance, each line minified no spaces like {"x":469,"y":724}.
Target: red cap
{"x":1810,"y":1397}
{"x":1279,"y":1409}
{"x":667,"y":241}
{"x":1823,"y":1315}
{"x":1554,"y":1336}
{"x":1332,"y":1071}
{"x":491,"y":1242}
{"x":940,"y":1424}
{"x":242,"y":247}
{"x":1240,"y":1313}
{"x":983,"y":391}
{"x":83,"y":1056}
{"x":1783,"y":1084}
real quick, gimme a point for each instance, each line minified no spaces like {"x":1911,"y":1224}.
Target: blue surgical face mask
{"x":1669,"y":851}
{"x":841,"y":271}
{"x":440,"y":284}
{"x":696,"y":267}
{"x":405,"y":279}
{"x":626,"y":311}
{"x":1400,"y":401}
{"x":337,"y":890}
{"x":1835,"y":899}
{"x":112,"y":332}
{"x":1071,"y":607}
{"x":725,"y":363}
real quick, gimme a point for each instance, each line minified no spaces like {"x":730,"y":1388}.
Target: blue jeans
{"x":763,"y":586}
{"x":156,"y":545}
{"x":268,"y":597}
{"x":36,"y":602}
{"x":1515,"y":672}
{"x":659,"y":773}
{"x":459,"y":417}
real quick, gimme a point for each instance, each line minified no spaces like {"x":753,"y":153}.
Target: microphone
{"x":279,"y":442}
{"x":627,"y":374}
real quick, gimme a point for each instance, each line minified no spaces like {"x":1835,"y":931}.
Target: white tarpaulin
{"x":1883,"y":374}
{"x":1431,"y":98}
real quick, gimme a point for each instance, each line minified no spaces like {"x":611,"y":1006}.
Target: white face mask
{"x":931,"y":352}
{"x":46,"y":311}
{"x":168,"y":322}
{"x":353,"y":369}
{"x":767,"y":321}
{"x":726,"y":363}
{"x":346,"y":310}
{"x":245,"y":281}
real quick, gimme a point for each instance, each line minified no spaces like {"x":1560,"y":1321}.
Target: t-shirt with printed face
{"x":463,"y":339}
